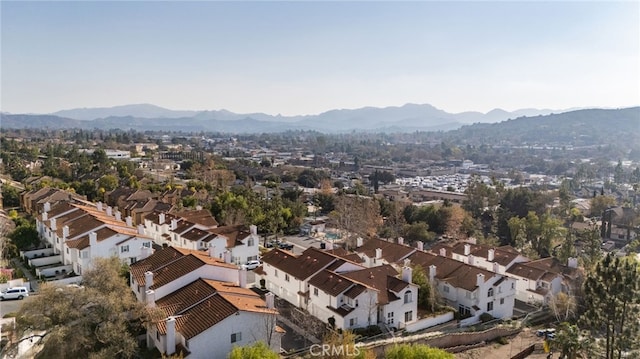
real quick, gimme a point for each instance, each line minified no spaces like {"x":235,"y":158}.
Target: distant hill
{"x":580,"y":124}
{"x":579,"y":128}
{"x":368,"y":118}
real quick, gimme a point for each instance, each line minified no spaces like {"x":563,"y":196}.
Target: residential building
{"x":206,"y":306}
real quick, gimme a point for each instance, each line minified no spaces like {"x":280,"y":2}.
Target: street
{"x":12,"y":306}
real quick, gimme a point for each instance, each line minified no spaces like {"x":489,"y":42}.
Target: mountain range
{"x":410,"y":117}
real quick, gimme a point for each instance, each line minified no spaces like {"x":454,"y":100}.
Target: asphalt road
{"x":12,"y":306}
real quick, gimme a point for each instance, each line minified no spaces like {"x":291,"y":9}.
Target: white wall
{"x":429,"y":322}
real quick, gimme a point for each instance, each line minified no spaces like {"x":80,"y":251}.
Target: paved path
{"x":27,"y":274}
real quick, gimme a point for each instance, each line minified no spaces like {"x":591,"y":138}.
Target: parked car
{"x":549,"y":333}
{"x":271,"y":244}
{"x":15,"y":293}
{"x":287,"y":246}
{"x":250,"y":265}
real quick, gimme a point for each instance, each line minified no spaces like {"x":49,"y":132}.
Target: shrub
{"x":486,"y":317}
{"x":502,"y":341}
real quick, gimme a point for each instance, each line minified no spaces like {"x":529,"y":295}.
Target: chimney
{"x":432,"y":273}
{"x":359,"y":241}
{"x":400,"y":240}
{"x":93,"y":239}
{"x":109,"y":211}
{"x":572,"y":262}
{"x":174,"y":224}
{"x":52,"y":224}
{"x":212,"y":252}
{"x":443,"y":252}
{"x":45,"y":216}
{"x":118,"y":216}
{"x":148,"y":280}
{"x":99,"y":206}
{"x":407,"y":262}
{"x":496,"y":267}
{"x":65,"y":232}
{"x":227,"y":256}
{"x":129,"y":221}
{"x":491,"y":255}
{"x":140,"y":229}
{"x":329,"y":245}
{"x":145,"y":252}
{"x":151,"y":298}
{"x":161,"y":218}
{"x":467,"y":249}
{"x":378,"y":253}
{"x":171,"y":335}
{"x":480,"y":279}
{"x":269,"y":299}
{"x":242,"y":278}
{"x":471,"y":260}
{"x":253,"y":229}
{"x":47,"y":206}
{"x":407,"y":273}
{"x":420,"y":245}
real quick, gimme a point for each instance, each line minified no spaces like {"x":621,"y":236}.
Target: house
{"x":470,"y":289}
{"x":198,"y":230}
{"x":78,"y":233}
{"x":33,"y":201}
{"x":205,"y":305}
{"x":331,"y":286}
{"x":541,"y":279}
{"x":496,"y":259}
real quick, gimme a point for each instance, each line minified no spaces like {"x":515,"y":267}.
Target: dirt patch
{"x":515,"y":345}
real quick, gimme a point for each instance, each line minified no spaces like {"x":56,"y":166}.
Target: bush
{"x":486,"y":317}
{"x":502,"y":341}
{"x":369,"y":331}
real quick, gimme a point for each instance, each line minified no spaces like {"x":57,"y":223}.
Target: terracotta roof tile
{"x":391,"y":252}
{"x":330,"y":282}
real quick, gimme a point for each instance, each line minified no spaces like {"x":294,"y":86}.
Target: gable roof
{"x":169,"y":264}
{"x":391,"y":252}
{"x":382,"y":278}
{"x":311,"y":261}
{"x":457,"y":274}
{"x":203,"y":303}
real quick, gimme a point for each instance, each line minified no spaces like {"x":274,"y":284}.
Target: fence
{"x":525,"y":353}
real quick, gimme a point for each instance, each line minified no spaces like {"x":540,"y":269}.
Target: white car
{"x":250,"y":265}
{"x":15,"y":293}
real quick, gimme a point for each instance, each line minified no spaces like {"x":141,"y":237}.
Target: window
{"x":251,"y":242}
{"x":84,"y":254}
{"x":67,"y":250}
{"x":490,"y":292}
{"x":489,"y":306}
{"x":236,"y":337}
{"x":286,"y":277}
{"x":407,"y":297}
{"x":124,"y":249}
{"x":356,"y":302}
{"x":315,"y":291}
{"x":513,"y":285}
{"x":446,"y":289}
{"x":353,"y":322}
{"x":146,"y":244}
{"x":390,"y":318}
{"x":157,"y":335}
{"x":501,"y":301}
{"x":408,"y":316}
{"x":275,"y":272}
{"x":464,"y":311}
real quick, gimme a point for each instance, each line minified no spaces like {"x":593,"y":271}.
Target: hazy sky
{"x":309,"y":57}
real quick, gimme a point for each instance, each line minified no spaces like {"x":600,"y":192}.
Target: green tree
{"x":25,"y":236}
{"x":10,"y":196}
{"x":571,"y":344}
{"x":612,"y":301}
{"x":416,"y":351}
{"x":97,"y":320}
{"x":108,"y":182}
{"x":426,"y":295}
{"x":257,"y":350}
{"x":600,"y":203}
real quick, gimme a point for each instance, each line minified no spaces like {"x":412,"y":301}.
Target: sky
{"x":304,"y":57}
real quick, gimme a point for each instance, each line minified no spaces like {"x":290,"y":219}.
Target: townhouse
{"x":471,"y":290}
{"x":78,"y":233}
{"x":537,"y":280}
{"x":198,"y":230}
{"x":205,"y":304}
{"x":339,"y":290}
